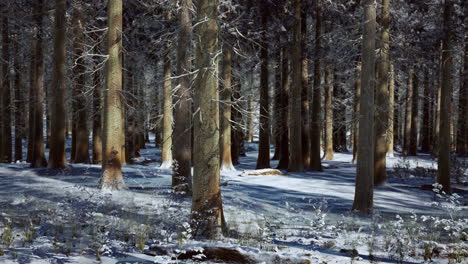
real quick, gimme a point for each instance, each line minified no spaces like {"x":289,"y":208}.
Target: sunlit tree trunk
{"x":225,"y":98}
{"x":181,"y":149}
{"x":328,"y":115}
{"x":443,"y":163}
{"x":315,"y":162}
{"x":391,"y":112}
{"x":166,"y":151}
{"x":57,"y":158}
{"x":207,"y":209}
{"x":114,"y":129}
{"x":363,"y":196}
{"x":381,"y":100}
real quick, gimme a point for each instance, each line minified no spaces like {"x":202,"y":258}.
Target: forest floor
{"x":59,"y":216}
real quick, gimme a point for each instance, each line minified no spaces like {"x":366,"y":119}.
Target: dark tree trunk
{"x":6,"y":148}
{"x":283,"y":106}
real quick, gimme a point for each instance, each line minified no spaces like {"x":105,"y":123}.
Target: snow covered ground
{"x":58,"y":216}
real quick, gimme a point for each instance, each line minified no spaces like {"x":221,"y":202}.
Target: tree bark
{"x":357,"y":107}
{"x":315,"y":162}
{"x":328,"y":115}
{"x":57,"y":156}
{"x":462,"y":137}
{"x":391,"y":113}
{"x":443,"y":163}
{"x":226,"y":98}
{"x":408,"y":114}
{"x":296,"y":162}
{"x":181,"y":149}
{"x":413,"y":142}
{"x":18,"y":105}
{"x":283,"y":106}
{"x":97,"y":108}
{"x":207,"y":210}
{"x":114,"y":129}
{"x":263,"y":160}
{"x":305,"y":110}
{"x":6,"y":148}
{"x":363,"y":196}
{"x":38,"y":156}
{"x":382,"y":103}
{"x":166,"y":152}
{"x":426,"y":124}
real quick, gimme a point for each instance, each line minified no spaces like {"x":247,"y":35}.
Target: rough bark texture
{"x":263,"y":160}
{"x":357,"y":107}
{"x":462,"y":133}
{"x":305,"y":109}
{"x":391,"y":112}
{"x":408,"y":114}
{"x":207,"y":210}
{"x":5,"y":148}
{"x":181,"y":148}
{"x":166,"y":152}
{"x":296,"y":163}
{"x":283,"y":106}
{"x":57,"y":158}
{"x":328,"y":115}
{"x":363,"y":196}
{"x":315,"y":162}
{"x":276,"y":107}
{"x":443,"y":163}
{"x":113,"y":130}
{"x":381,"y":100}
{"x":225,"y":98}
{"x":38,"y":157}
{"x":81,"y":128}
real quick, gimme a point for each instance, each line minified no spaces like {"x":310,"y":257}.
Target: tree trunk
{"x":296,"y":162}
{"x":166,"y":152}
{"x":263,"y":160}
{"x":114,"y":129}
{"x":207,"y":210}
{"x":408,"y":114}
{"x":250,"y":115}
{"x":363,"y":196}
{"x":413,"y":142}
{"x":97,"y":108}
{"x":462,"y":137}
{"x":225,"y":98}
{"x":6,"y":148}
{"x":305,"y":110}
{"x":426,"y":124}
{"x":315,"y":162}
{"x":283,"y":106}
{"x":18,"y":105}
{"x":391,"y":112}
{"x":357,"y":107}
{"x":32,"y":80}
{"x":237,"y":137}
{"x":382,"y":103}
{"x":443,"y":163}
{"x":181,"y":149}
{"x":328,"y":115}
{"x":38,"y":156}
{"x":57,"y":157}
{"x":276,"y":107}
{"x":81,"y":128}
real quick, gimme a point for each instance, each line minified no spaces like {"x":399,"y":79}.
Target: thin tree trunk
{"x":181,"y":149}
{"x":357,"y":107}
{"x":315,"y":162}
{"x":296,"y":162}
{"x":166,"y":152}
{"x":225,"y":98}
{"x":391,"y":112}
{"x":363,"y":195}
{"x":57,"y":157}
{"x":18,"y":101}
{"x":6,"y":148}
{"x":114,"y":129}
{"x":237,"y":137}
{"x":305,"y":88}
{"x":32,"y":85}
{"x":408,"y":114}
{"x":443,"y":163}
{"x":276,"y":107}
{"x":263,"y":160}
{"x":38,"y":157}
{"x":283,"y":106}
{"x":207,"y":209}
{"x":97,"y":108}
{"x":328,"y":115}
{"x":382,"y":103}
{"x":462,"y":137}
{"x":413,"y":142}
